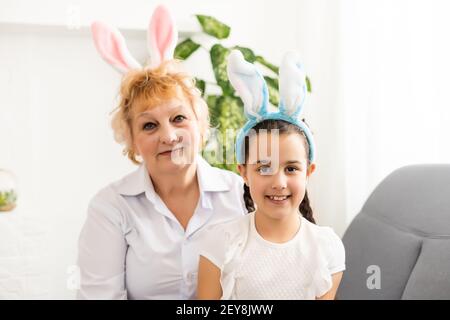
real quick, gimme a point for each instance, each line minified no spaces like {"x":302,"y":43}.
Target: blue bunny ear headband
{"x":252,"y":88}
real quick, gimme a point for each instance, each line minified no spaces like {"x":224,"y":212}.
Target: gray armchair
{"x":401,"y":236}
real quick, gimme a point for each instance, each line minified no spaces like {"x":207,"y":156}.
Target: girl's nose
{"x":279,"y":181}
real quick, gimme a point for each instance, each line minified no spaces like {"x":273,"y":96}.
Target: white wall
{"x":56,"y":94}
{"x":55,"y":101}
{"x":317,"y":38}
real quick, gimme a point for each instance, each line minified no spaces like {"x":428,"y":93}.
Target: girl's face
{"x":277,"y":178}
{"x":166,"y":136}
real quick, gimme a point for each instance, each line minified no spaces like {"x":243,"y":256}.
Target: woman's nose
{"x":168,"y":135}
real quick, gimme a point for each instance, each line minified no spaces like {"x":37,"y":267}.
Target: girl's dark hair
{"x":282,"y":127}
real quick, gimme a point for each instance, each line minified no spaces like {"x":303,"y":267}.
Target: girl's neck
{"x":178,"y":183}
{"x":277,"y":230}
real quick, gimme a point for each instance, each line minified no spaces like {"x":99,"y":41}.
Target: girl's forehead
{"x":284,"y":147}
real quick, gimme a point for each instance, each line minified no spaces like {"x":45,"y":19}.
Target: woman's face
{"x":166,"y":136}
{"x":276,"y":173}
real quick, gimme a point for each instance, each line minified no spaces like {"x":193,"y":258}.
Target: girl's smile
{"x":278,"y":200}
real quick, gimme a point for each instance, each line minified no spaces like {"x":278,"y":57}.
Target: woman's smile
{"x":174,"y":151}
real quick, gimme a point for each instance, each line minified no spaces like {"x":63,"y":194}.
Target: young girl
{"x":276,"y":251}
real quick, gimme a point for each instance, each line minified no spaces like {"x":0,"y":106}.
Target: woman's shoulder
{"x":129,"y":184}
{"x":105,"y":206}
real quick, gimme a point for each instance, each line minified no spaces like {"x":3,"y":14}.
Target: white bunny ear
{"x":292,"y":85}
{"x":111,"y":46}
{"x":162,"y":36}
{"x":249,"y":84}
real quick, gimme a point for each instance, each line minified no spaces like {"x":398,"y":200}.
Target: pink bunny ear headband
{"x":162,"y":38}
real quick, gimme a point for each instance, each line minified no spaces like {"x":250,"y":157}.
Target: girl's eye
{"x":291,"y":169}
{"x":149,"y":126}
{"x":265,"y":170}
{"x":179,"y":118}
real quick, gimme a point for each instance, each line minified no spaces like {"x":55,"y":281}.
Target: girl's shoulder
{"x":221,"y":241}
{"x":322,"y":236}
{"x":322,"y":233}
{"x":322,"y":240}
{"x":231,"y":229}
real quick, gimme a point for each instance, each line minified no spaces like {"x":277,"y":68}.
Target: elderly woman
{"x":142,"y":235}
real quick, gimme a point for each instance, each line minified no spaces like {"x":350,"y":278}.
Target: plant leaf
{"x":226,"y":113}
{"x":272,"y":85}
{"x":247,"y":52}
{"x":308,"y":84}
{"x":267,"y":64}
{"x":185,"y":48}
{"x":214,"y":111}
{"x":213,"y":27}
{"x":219,"y":56}
{"x":201,"y":85}
{"x":231,"y":112}
{"x":231,"y":119}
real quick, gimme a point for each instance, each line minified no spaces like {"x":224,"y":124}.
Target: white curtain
{"x":393,"y":89}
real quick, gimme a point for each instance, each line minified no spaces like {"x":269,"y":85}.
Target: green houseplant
{"x":8,"y":191}
{"x":226,"y":109}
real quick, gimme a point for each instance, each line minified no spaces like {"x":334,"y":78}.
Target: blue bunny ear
{"x":292,"y":85}
{"x":249,"y":85}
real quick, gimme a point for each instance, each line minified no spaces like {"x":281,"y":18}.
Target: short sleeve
{"x":214,"y":245}
{"x":332,"y":260}
{"x":335,"y":253}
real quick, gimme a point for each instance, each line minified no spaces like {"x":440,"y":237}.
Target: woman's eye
{"x":265,"y":170}
{"x":149,"y":126}
{"x":179,"y":118}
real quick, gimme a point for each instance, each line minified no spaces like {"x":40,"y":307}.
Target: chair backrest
{"x":398,"y":246}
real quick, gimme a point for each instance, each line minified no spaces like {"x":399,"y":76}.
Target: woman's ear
{"x":311,"y":169}
{"x":242,"y":168}
{"x":134,"y":148}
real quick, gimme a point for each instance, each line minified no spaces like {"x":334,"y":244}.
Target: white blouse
{"x":132,"y":246}
{"x":253,"y":268}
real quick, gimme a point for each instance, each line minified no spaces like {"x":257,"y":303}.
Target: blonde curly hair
{"x":155,"y":86}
